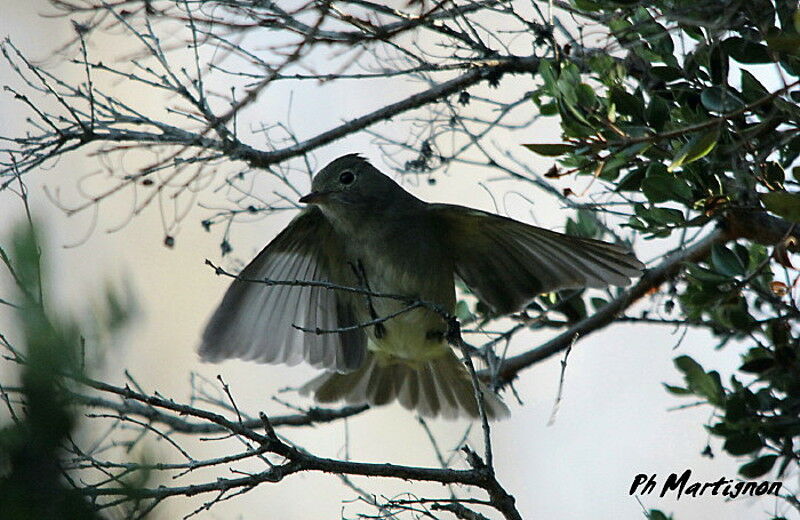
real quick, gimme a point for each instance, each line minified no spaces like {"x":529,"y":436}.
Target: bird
{"x":361,"y":230}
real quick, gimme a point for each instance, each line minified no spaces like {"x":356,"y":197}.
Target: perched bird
{"x":362,"y":230}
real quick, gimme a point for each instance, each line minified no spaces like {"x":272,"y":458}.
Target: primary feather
{"x":255,"y":320}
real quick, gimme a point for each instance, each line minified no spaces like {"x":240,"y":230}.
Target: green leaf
{"x":654,"y":33}
{"x":658,"y":113}
{"x":677,"y":390}
{"x":644,"y":52}
{"x":549,"y":109}
{"x":687,"y":365}
{"x":598,"y":303}
{"x":611,"y":167}
{"x":758,"y":365}
{"x":655,"y":514}
{"x":782,"y":203}
{"x":742,"y":443}
{"x":735,"y":407}
{"x":733,"y":316}
{"x":586,"y":96}
{"x":660,"y":186}
{"x":746,"y":51}
{"x":586,"y":225}
{"x":660,"y":216}
{"x":657,"y":188}
{"x":705,"y":275}
{"x":632,"y":181}
{"x":704,"y":384}
{"x":666,"y":73}
{"x":621,"y":28}
{"x":720,"y":99}
{"x":697,"y":148}
{"x":548,"y":75}
{"x":752,"y":89}
{"x":718,"y":65}
{"x":550,"y":149}
{"x":635,"y":223}
{"x":627,"y":103}
{"x":692,"y":31}
{"x":758,"y":467}
{"x":606,"y":68}
{"x":755,"y":254}
{"x":791,"y":64}
{"x":586,"y":5}
{"x":726,"y":261}
{"x":567,"y":91}
{"x":774,"y":173}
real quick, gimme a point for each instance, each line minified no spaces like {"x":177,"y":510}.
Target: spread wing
{"x":506,"y":263}
{"x":254,"y":320}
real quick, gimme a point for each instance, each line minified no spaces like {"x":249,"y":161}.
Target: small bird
{"x":360,"y":229}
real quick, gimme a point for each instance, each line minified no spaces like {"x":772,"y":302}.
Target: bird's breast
{"x":412,"y":266}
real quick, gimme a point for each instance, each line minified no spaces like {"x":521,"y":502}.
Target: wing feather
{"x":507,"y":263}
{"x":254,"y":320}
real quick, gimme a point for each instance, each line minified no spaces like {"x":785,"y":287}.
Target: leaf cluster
{"x":675,"y":115}
{"x":679,"y":117}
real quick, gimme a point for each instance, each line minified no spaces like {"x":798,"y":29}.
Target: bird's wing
{"x":255,"y":320}
{"x":506,"y":263}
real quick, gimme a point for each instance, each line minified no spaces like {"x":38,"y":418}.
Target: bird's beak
{"x":315,"y":197}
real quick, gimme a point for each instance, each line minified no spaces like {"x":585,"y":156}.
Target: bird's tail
{"x":440,"y":387}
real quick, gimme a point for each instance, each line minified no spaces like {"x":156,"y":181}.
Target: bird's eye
{"x":347,"y":177}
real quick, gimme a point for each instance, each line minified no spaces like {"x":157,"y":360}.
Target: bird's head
{"x":351,"y":181}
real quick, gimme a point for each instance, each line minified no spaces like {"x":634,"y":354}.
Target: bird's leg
{"x":361,"y":274}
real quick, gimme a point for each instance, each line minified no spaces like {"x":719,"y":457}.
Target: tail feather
{"x":441,"y":387}
{"x":409,"y":392}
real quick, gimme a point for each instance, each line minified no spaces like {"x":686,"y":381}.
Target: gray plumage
{"x":361,"y":229}
{"x":254,"y":322}
{"x":441,"y":387}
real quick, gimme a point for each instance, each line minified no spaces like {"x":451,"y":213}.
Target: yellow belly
{"x":413,"y":337}
{"x":410,"y":338}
